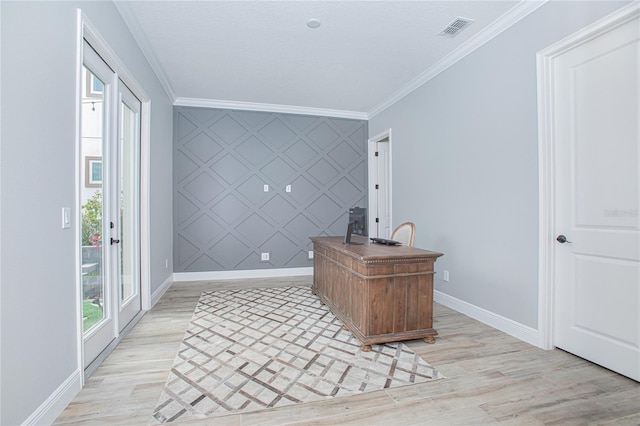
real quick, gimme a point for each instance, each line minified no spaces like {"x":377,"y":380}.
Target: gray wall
{"x":465,"y":163}
{"x":38,"y":305}
{"x":223,"y":158}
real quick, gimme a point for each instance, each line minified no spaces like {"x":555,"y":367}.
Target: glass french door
{"x":128,"y":207}
{"x":109,"y":205}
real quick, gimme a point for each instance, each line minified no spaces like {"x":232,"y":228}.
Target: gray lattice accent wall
{"x":223,"y":219}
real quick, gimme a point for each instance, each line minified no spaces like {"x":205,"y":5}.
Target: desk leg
{"x":365,"y":348}
{"x":430,"y":339}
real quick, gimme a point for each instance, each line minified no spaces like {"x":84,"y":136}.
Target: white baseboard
{"x":230,"y":275}
{"x":50,"y":409}
{"x":160,"y":291}
{"x":513,"y":328}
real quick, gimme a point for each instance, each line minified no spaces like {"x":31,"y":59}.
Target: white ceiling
{"x":261,"y":54}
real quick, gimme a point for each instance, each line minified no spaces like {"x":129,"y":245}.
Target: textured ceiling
{"x":262,"y":52}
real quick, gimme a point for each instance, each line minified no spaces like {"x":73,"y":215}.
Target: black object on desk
{"x":385,"y":241}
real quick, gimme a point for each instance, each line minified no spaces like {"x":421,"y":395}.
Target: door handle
{"x":562,"y":239}
{"x":114,"y":241}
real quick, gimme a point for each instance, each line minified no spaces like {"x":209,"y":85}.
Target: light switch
{"x":266,"y":188}
{"x":287,"y":188}
{"x":66,"y":217}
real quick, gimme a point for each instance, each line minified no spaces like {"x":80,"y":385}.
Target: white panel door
{"x":380,"y":187}
{"x":384,"y":190}
{"x":596,"y":104}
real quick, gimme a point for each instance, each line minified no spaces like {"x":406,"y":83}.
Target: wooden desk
{"x":381,"y":293}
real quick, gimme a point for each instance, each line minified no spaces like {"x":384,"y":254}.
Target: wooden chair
{"x":404,"y":233}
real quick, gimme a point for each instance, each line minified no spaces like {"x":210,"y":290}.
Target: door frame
{"x":86,"y":30}
{"x":386,"y":137}
{"x":546,"y":161}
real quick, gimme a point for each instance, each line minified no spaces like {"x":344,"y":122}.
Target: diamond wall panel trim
{"x":228,"y":129}
{"x":345,"y":191}
{"x":203,"y":147}
{"x":186,"y":166}
{"x":230,"y":251}
{"x":184,"y":127}
{"x":203,"y":116}
{"x":185,"y":209}
{"x":202,"y":230}
{"x":230,"y":169}
{"x":254,"y":151}
{"x":222,"y":160}
{"x":301,"y":153}
{"x":278,"y":171}
{"x":230,"y":209}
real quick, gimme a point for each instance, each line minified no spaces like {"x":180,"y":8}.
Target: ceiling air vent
{"x":456,"y":26}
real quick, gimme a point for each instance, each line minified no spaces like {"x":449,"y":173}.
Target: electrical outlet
{"x":287,"y":188}
{"x":266,"y":188}
{"x":310,"y":254}
{"x":445,"y":276}
{"x":264,"y":257}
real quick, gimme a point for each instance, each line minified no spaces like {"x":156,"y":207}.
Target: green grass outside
{"x":91,"y":314}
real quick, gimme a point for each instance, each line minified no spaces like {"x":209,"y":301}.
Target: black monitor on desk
{"x":358,"y":217}
{"x":357,"y":224}
{"x":348,"y":234}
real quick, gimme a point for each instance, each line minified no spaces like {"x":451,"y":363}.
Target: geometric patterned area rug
{"x":253,"y":349}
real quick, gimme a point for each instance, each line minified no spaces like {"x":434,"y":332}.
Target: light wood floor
{"x":491,"y":378}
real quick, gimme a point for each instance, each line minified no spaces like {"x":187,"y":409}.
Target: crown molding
{"x":134,"y":27}
{"x":285,"y":109}
{"x":510,"y":18}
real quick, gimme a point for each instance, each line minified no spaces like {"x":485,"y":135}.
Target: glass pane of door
{"x":93,"y":282}
{"x":128,"y":205}
{"x":94,"y":202}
